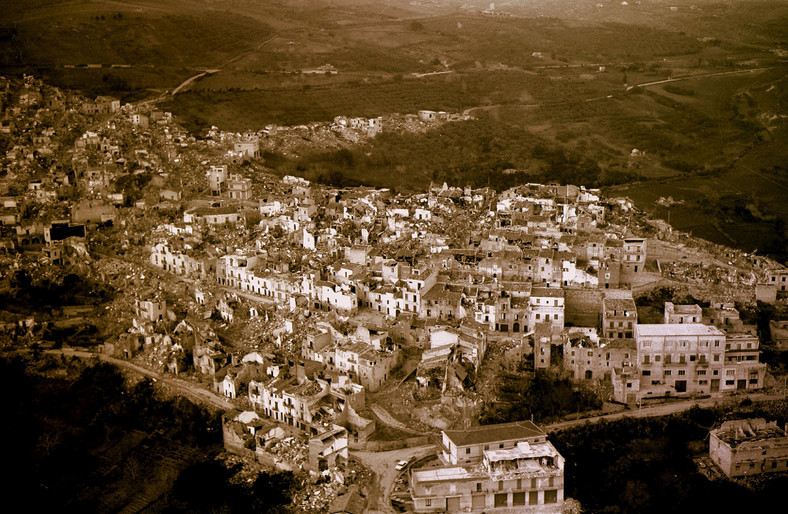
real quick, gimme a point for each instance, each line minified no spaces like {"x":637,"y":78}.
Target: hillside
{"x":552,"y":83}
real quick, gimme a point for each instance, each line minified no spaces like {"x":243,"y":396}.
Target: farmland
{"x":551,"y":84}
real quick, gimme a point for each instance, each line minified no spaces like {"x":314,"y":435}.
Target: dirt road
{"x":383,"y":463}
{"x":698,"y":76}
{"x":661,"y":410}
{"x":389,"y":420}
{"x":192,"y":391}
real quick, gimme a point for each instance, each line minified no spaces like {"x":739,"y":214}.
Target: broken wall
{"x":583,"y":307}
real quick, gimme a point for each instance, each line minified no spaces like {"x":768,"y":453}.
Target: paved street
{"x":383,"y":463}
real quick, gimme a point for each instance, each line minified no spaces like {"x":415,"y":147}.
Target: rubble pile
{"x":288,"y":450}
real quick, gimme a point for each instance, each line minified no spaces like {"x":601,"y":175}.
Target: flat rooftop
{"x":686,"y":308}
{"x":494,"y":433}
{"x":677,"y":329}
{"x":750,"y":430}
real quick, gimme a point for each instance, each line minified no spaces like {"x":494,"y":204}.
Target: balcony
{"x":491,"y":487}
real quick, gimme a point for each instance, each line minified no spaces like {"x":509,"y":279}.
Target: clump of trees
{"x":657,"y":297}
{"x":479,"y":153}
{"x":44,"y":293}
{"x":543,"y":396}
{"x":207,"y":487}
{"x":63,"y":415}
{"x":132,"y":186}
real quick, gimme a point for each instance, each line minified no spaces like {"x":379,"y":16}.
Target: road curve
{"x":382,"y":464}
{"x":389,"y":420}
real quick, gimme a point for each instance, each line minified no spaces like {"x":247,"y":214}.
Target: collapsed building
{"x":746,"y":447}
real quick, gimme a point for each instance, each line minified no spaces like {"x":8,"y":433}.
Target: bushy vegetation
{"x":86,"y":440}
{"x":44,"y":293}
{"x":543,"y":396}
{"x":196,"y":39}
{"x":479,"y":153}
{"x":60,"y":422}
{"x":132,"y":186}
{"x":678,"y":90}
{"x":208,"y":487}
{"x":645,"y":465}
{"x":657,"y":297}
{"x":253,"y":109}
{"x":126,"y":84}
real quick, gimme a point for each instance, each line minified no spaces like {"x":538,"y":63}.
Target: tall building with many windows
{"x":686,"y":359}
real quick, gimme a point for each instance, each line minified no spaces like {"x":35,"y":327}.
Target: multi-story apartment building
{"x":238,"y":271}
{"x":380,"y":297}
{"x":363,"y":363}
{"x":680,"y":358}
{"x":335,"y":297}
{"x":440,"y":302}
{"x":315,"y":344}
{"x":238,"y":187}
{"x":162,"y":256}
{"x":686,"y":359}
{"x":587,"y":359}
{"x":217,"y":178}
{"x":249,"y":146}
{"x":506,"y":467}
{"x":212,"y":216}
{"x":150,"y":310}
{"x":742,"y":367}
{"x":778,"y":277}
{"x":619,"y":314}
{"x":745,"y":447}
{"x":546,"y":304}
{"x":484,"y":311}
{"x":634,"y":260}
{"x":292,"y":400}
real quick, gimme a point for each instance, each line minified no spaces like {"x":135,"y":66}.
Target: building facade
{"x":506,"y":467}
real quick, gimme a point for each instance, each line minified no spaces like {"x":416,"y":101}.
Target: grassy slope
{"x":162,"y":47}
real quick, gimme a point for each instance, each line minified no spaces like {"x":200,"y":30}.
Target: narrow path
{"x":660,"y":410}
{"x":190,"y":80}
{"x":258,"y":47}
{"x":188,"y":389}
{"x":698,"y":76}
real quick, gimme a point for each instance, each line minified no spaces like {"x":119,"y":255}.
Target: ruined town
{"x":393,"y":351}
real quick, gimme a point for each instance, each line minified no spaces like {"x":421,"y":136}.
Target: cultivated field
{"x":554,"y":83}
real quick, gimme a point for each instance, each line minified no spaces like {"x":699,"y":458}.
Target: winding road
{"x":192,"y":391}
{"x":389,"y":420}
